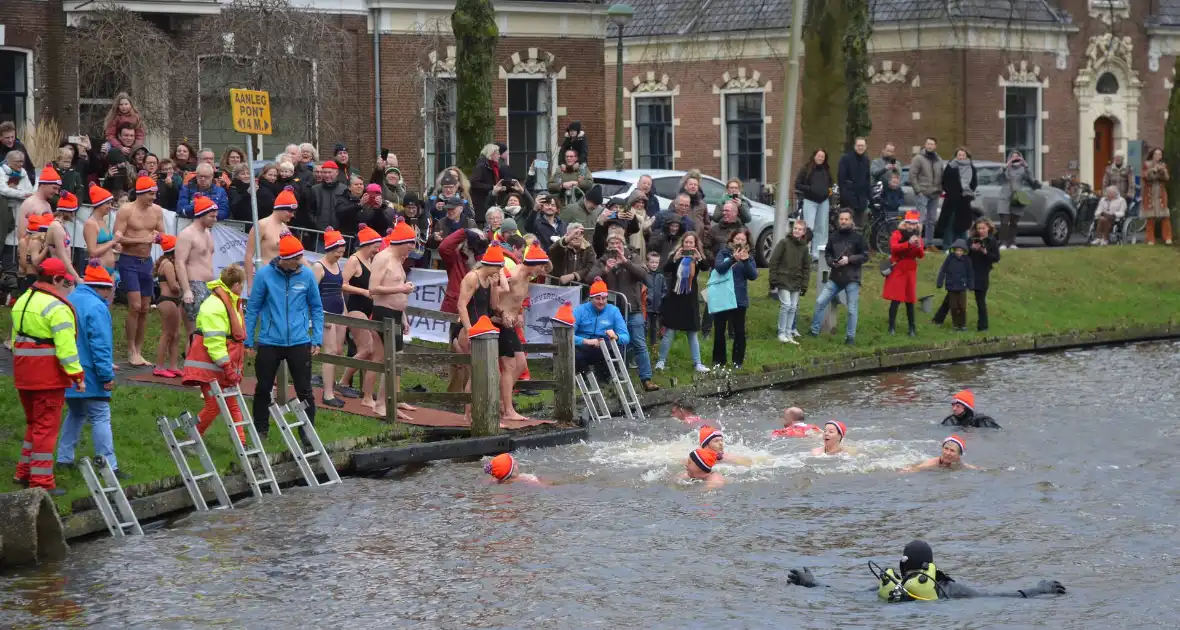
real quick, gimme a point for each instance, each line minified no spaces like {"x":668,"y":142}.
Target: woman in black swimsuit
{"x":168,"y":307}
{"x":359,"y":304}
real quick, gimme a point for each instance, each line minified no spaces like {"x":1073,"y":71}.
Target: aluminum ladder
{"x":592,"y":395}
{"x":253,"y":445}
{"x":617,"y":365}
{"x":192,"y":439}
{"x":295,"y":444}
{"x":111,"y":501}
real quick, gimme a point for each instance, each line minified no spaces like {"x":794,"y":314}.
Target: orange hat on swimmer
{"x":67,"y":202}
{"x":598,"y":288}
{"x":289,"y":246}
{"x":286,"y":199}
{"x":704,"y":459}
{"x":957,"y":440}
{"x":34,"y":223}
{"x":402,"y":234}
{"x":366,"y":235}
{"x":167,"y":242}
{"x":202,"y":205}
{"x":100,"y":195}
{"x":49,"y":176}
{"x":501,"y":467}
{"x":144,"y":185}
{"x":494,"y":256}
{"x":332,"y":238}
{"x":965,"y":398}
{"x":841,"y":428}
{"x":708,"y":434}
{"x":535,"y":256}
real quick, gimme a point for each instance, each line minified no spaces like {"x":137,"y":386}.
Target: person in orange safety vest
{"x":216,"y":351}
{"x":45,"y":362}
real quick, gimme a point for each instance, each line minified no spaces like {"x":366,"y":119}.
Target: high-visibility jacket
{"x":217,"y":342}
{"x":44,"y":347}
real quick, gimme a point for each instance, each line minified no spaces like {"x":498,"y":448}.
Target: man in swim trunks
{"x":502,"y":468}
{"x":512,"y":356}
{"x":950,"y":459}
{"x":271,"y":228}
{"x":714,"y":440}
{"x":963,"y":413}
{"x":391,"y":294}
{"x":794,"y":425}
{"x":699,"y":465}
{"x":136,"y":228}
{"x":908,"y":584}
{"x":194,"y":258}
{"x":834,"y":432}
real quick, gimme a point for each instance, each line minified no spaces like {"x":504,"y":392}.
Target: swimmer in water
{"x":963,"y":413}
{"x":502,"y":468}
{"x":834,"y":432}
{"x":699,"y":465}
{"x":794,"y":425}
{"x":951,"y":458}
{"x":714,"y":440}
{"x":918,"y":579}
{"x":684,"y":411}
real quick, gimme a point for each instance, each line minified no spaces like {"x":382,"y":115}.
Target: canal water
{"x":1081,"y":485}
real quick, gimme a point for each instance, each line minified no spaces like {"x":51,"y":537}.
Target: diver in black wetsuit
{"x":920,"y":580}
{"x":963,"y":413}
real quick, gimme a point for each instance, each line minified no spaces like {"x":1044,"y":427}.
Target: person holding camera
{"x":485,"y":177}
{"x":733,"y":191}
{"x":734,"y":258}
{"x":623,"y":271}
{"x":681,"y":307}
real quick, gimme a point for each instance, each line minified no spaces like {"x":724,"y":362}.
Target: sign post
{"x":251,"y":115}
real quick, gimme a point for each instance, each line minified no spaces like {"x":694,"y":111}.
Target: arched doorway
{"x":1103,"y":148}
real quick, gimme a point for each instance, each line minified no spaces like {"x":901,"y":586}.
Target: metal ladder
{"x":592,"y":395}
{"x":253,"y":446}
{"x":112,"y":503}
{"x":193,"y":440}
{"x":617,"y":365}
{"x":317,"y":452}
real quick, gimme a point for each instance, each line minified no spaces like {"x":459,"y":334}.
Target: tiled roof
{"x":1167,"y":13}
{"x":685,"y":17}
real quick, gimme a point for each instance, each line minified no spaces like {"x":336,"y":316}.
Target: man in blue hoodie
{"x":285,"y":307}
{"x":96,"y":353}
{"x":595,"y":322}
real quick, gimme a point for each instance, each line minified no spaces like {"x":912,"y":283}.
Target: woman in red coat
{"x":901,"y":285}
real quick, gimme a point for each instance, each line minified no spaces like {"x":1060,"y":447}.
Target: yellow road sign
{"x":251,"y":111}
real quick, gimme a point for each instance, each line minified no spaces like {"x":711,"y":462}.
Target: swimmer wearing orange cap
{"x":713,"y":439}
{"x":950,"y":459}
{"x":834,"y":432}
{"x":699,"y":465}
{"x":502,"y":468}
{"x":794,"y":425}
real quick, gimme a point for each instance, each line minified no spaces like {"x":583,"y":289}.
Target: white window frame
{"x":30,"y":84}
{"x":671,"y":96}
{"x":428,"y":132}
{"x":554,"y":141}
{"x":1039,"y":132}
{"x":725,"y":175}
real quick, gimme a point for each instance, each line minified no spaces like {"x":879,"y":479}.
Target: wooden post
{"x":485,"y":385}
{"x":564,"y":398}
{"x":283,"y":384}
{"x":391,"y":331}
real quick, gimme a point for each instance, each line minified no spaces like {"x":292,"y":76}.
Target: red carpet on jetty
{"x":423,"y":417}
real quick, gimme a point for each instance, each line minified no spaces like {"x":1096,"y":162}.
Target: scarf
{"x":685,"y":272}
{"x":964,"y":168}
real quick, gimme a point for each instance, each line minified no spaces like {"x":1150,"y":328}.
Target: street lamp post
{"x":619,"y":15}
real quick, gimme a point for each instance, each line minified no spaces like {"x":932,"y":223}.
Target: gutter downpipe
{"x":377,"y":74}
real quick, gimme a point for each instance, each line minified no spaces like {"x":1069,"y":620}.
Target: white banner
{"x":430,"y":287}
{"x":544,"y":300}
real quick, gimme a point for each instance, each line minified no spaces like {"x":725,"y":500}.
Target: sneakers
{"x":317,"y":380}
{"x":737,"y":367}
{"x":659,"y":366}
{"x":120,"y":475}
{"x":702,"y":368}
{"x":1013,"y":246}
{"x":1003,"y":247}
{"x":849,"y":341}
{"x":346,"y":391}
{"x":792,"y":341}
{"x":335,"y":403}
{"x":782,"y":338}
{"x":1096,"y":241}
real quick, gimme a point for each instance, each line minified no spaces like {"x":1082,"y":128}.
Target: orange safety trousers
{"x":211,"y":410}
{"x":42,"y":423}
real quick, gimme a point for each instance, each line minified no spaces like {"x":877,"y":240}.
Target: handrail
{"x":353,"y":322}
{"x":415,"y":311}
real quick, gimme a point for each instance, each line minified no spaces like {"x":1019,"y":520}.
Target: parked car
{"x":666,"y":185}
{"x":1051,"y":216}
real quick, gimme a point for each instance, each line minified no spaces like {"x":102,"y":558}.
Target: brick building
{"x":1069,"y":82}
{"x":549,"y":59}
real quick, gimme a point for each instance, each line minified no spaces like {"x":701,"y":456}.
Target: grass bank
{"x":1033,"y":292}
{"x":139,"y":445}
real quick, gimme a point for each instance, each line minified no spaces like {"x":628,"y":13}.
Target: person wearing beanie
{"x":963,"y":413}
{"x":502,"y":468}
{"x":481,"y":287}
{"x":413,"y":214}
{"x":140,"y":222}
{"x":624,"y":272}
{"x":344,"y":169}
{"x":513,"y":360}
{"x":324,"y":197}
{"x":96,"y":352}
{"x":596,"y":321}
{"x":60,"y":228}
{"x":31,"y":250}
{"x":100,"y":241}
{"x":358,"y":303}
{"x":45,"y":362}
{"x":585,"y":211}
{"x":170,"y":308}
{"x":833,"y":440}
{"x":713,"y":439}
{"x":194,"y":259}
{"x":958,"y":276}
{"x":393,"y":190}
{"x":459,"y":253}
{"x":918,"y":579}
{"x":700,"y":464}
{"x":270,"y":228}
{"x":286,"y":309}
{"x":391,"y":291}
{"x":48,"y":186}
{"x":329,"y":275}
{"x":951,"y":457}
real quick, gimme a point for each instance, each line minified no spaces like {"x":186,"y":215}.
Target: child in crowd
{"x":893,"y":196}
{"x":790,"y":274}
{"x":656,"y":286}
{"x":958,"y":276}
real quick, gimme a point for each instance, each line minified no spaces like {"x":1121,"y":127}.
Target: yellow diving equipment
{"x":919,"y":585}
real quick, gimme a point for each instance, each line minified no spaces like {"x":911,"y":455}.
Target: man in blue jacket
{"x":285,"y":307}
{"x":594,"y":322}
{"x":203,"y":183}
{"x":96,"y":353}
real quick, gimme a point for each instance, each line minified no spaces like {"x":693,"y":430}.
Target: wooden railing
{"x":484,"y":396}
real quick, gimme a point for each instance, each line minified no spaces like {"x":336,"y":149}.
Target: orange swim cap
{"x":501,"y":466}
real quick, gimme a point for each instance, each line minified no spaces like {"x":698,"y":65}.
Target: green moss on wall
{"x":824,"y":90}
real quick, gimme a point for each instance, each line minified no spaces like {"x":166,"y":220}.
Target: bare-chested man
{"x":194,"y":258}
{"x":512,"y":355}
{"x":479,"y":295}
{"x":136,"y":228}
{"x":391,"y":294}
{"x":271,"y":228}
{"x":48,"y":185}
